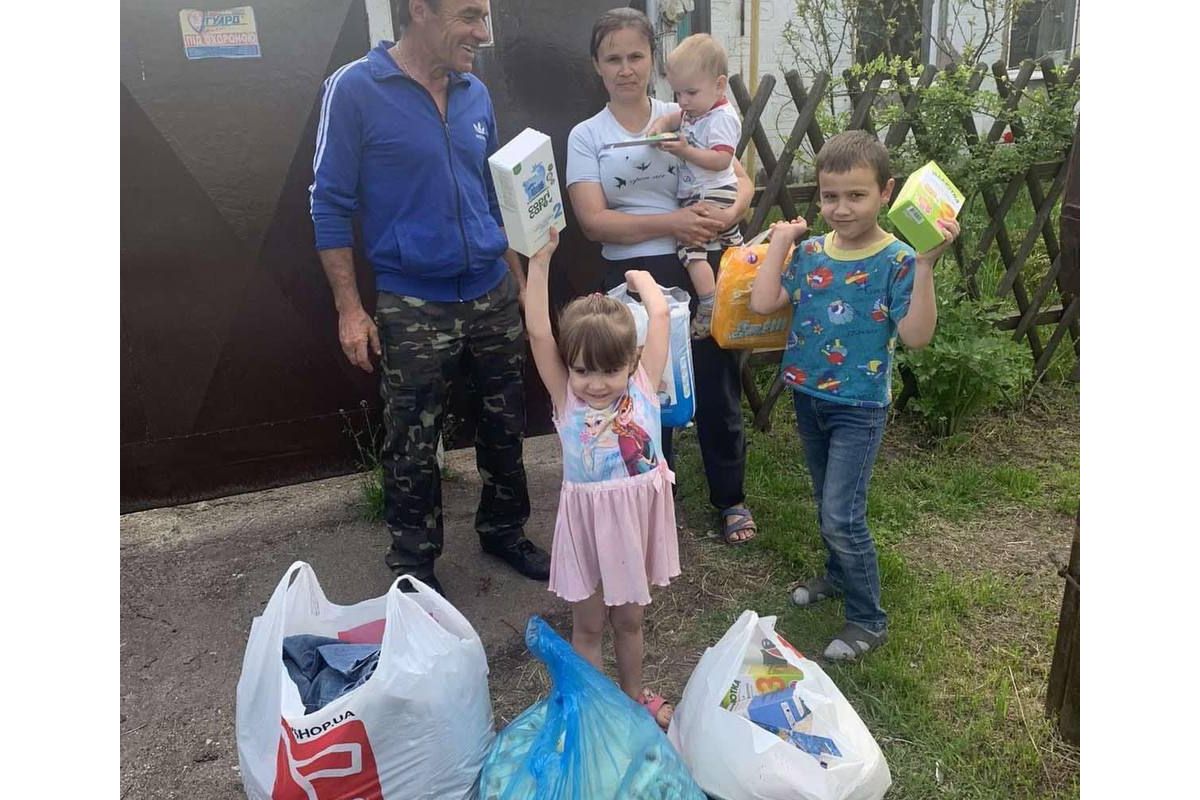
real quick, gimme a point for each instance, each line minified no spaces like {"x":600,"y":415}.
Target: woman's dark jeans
{"x":718,"y":388}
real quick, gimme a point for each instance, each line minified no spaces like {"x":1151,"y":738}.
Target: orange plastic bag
{"x":734,"y":325}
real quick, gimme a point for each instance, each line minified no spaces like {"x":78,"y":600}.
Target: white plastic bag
{"x":734,"y":759}
{"x":419,"y":727}
{"x":677,"y":396}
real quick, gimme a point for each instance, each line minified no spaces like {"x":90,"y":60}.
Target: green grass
{"x":956,"y":697}
{"x":371,"y":494}
{"x":370,"y":489}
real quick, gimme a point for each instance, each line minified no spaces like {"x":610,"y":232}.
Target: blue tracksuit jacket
{"x":419,"y":183}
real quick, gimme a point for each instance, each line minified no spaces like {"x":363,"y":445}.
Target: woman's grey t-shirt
{"x":635,"y":180}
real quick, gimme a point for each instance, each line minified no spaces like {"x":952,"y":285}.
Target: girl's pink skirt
{"x":618,"y":534}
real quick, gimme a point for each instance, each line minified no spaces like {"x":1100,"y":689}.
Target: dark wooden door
{"x":231,"y":375}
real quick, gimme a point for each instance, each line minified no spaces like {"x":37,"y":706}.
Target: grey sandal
{"x":813,"y":590}
{"x":735,"y":520}
{"x":853,"y":641}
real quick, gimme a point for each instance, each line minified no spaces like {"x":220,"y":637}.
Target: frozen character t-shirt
{"x":621,"y":441}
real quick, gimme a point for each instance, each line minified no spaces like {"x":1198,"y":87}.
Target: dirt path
{"x":193,"y":577}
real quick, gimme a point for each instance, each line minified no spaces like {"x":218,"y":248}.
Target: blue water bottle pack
{"x":677,"y":391}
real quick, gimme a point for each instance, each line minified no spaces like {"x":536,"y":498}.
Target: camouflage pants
{"x":424,"y":346}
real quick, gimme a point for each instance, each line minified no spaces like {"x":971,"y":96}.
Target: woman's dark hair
{"x":617,"y":19}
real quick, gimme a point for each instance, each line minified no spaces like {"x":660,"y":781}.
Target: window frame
{"x":923,"y":24}
{"x":1072,"y":41}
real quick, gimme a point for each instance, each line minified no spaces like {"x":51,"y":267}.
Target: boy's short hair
{"x":699,"y":52}
{"x":850,"y":149}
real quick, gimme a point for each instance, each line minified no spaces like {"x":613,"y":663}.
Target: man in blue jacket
{"x":403,"y":141}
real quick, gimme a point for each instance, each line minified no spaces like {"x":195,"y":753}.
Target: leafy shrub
{"x":969,"y":367}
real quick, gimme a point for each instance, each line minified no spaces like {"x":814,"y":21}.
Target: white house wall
{"x":776,"y":56}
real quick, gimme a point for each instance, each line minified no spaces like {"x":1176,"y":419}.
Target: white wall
{"x":776,"y":56}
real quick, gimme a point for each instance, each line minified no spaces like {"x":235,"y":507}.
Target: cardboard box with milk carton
{"x":927,"y":196}
{"x":528,"y":190}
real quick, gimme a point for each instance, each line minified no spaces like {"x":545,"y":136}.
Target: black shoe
{"x":525,"y":557}
{"x":422,"y":572}
{"x":429,"y":580}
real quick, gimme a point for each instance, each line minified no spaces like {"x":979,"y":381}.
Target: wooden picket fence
{"x":1036,"y":309}
{"x":1062,"y":690}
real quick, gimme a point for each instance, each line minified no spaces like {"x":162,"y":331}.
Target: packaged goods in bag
{"x":759,"y":721}
{"x":386,"y":699}
{"x":677,"y":390}
{"x":586,"y":741}
{"x":755,"y":679}
{"x":734,"y":325}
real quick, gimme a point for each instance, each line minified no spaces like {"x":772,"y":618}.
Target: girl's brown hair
{"x":598,"y":332}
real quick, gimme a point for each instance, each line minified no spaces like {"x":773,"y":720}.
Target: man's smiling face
{"x":456,"y":30}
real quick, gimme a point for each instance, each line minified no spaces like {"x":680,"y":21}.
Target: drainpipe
{"x":754,"y":8}
{"x":659,"y":87}
{"x":379,"y":22}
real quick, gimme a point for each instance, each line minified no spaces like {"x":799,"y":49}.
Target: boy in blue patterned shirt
{"x":852,"y":291}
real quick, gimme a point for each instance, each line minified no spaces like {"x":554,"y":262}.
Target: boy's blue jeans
{"x":840,"y":445}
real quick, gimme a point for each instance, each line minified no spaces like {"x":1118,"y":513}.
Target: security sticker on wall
{"x":231,"y":33}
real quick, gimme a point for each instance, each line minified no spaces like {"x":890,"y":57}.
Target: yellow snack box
{"x":927,"y":196}
{"x":734,"y":325}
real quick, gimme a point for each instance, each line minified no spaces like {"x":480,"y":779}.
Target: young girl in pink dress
{"x":615,"y":534}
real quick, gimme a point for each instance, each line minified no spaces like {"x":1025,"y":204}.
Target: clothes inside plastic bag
{"x":417,"y":729}
{"x":734,"y":325}
{"x":586,"y":741}
{"x":324,"y":668}
{"x":677,"y":390}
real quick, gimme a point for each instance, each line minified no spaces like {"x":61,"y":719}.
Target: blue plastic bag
{"x":585,"y":741}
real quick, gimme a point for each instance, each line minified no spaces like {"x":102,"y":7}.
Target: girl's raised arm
{"x":654,"y":352}
{"x":537,"y":322}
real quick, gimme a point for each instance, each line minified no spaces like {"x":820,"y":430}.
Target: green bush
{"x":969,"y":367}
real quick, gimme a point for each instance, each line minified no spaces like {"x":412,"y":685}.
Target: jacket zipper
{"x":457,"y":197}
{"x":457,"y":189}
